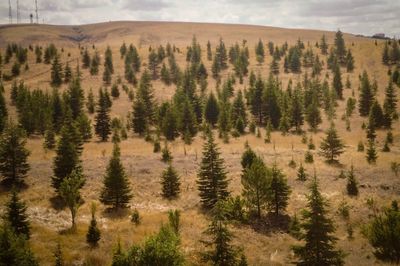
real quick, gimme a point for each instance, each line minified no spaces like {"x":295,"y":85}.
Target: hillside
{"x":262,"y":244}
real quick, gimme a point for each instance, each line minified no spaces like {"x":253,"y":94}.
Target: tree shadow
{"x":68,"y":231}
{"x":113,"y":213}
{"x":57,"y":203}
{"x":334,"y":163}
{"x":271,"y":223}
{"x":6,"y":185}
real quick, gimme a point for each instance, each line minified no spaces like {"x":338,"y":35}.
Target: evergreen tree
{"x":390,"y":103}
{"x":337,"y":82}
{"x":385,"y":54}
{"x":93,"y":234}
{"x":153,"y":63}
{"x":349,"y":61}
{"x":139,"y":120}
{"x":384,"y":235}
{"x":16,"y":215}
{"x":123,"y":50}
{"x":260,"y":52}
{"x":13,"y":155}
{"x":319,"y":244}
{"x":301,"y":173}
{"x":187,"y":122}
{"x":279,"y":191}
{"x":86,"y":59}
{"x":108,"y":61}
{"x":340,"y":48}
{"x":170,"y":183}
{"x":223,"y":253}
{"x":56,"y":72}
{"x":115,"y":91}
{"x":165,"y":75}
{"x":3,"y":109}
{"x":366,"y":95}
{"x":313,"y":115}
{"x":371,"y":153}
{"x":212,"y":182}
{"x":66,"y":159}
{"x":67,"y":73}
{"x":297,"y":117}
{"x":84,"y":126}
{"x":169,"y":125}
{"x":69,"y":192}
{"x":351,"y":186}
{"x":209,"y":53}
{"x":107,"y":76}
{"x":76,"y":97}
{"x":211,"y":110}
{"x":274,"y":66}
{"x":248,"y":157}
{"x":331,"y":146}
{"x":224,"y":121}
{"x":102,"y":126}
{"x":94,"y":65}
{"x":255,"y":180}
{"x":90,"y":104}
{"x":14,"y":248}
{"x":49,"y":139}
{"x":116,"y":191}
{"x":323,"y":46}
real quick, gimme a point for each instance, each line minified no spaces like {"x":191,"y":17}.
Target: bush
{"x":135,"y":217}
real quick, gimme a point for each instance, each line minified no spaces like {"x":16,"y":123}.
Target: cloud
{"x":356,"y":16}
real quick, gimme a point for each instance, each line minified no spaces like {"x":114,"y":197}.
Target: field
{"x":262,"y":247}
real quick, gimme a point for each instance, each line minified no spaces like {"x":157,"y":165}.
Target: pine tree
{"x":139,"y":120}
{"x":340,"y":48}
{"x":69,"y":192}
{"x":86,"y":59}
{"x":274,"y":66}
{"x":169,"y":126}
{"x":324,"y":45}
{"x":58,"y":255}
{"x":366,"y":95}
{"x":102,"y":126}
{"x":331,"y":146}
{"x":66,"y":159}
{"x":3,"y":108}
{"x":108,"y":61}
{"x":385,"y":54}
{"x":16,"y":215}
{"x":49,"y":139}
{"x":296,"y":109}
{"x":260,"y":52}
{"x":383,"y":234}
{"x":14,"y":248}
{"x":301,"y":173}
{"x":212,"y":182}
{"x":187,"y":122}
{"x":255,"y":181}
{"x":165,"y":75}
{"x":116,"y":191}
{"x":224,"y":121}
{"x":166,"y":155}
{"x":94,"y":65}
{"x":76,"y":97}
{"x":67,"y":73}
{"x":153,"y":63}
{"x":90,"y":104}
{"x":351,"y":186}
{"x":337,"y":82}
{"x":170,"y":183}
{"x":13,"y":155}
{"x":211,"y":110}
{"x":223,"y":253}
{"x":123,"y":50}
{"x":115,"y":91}
{"x":313,"y":115}
{"x":93,"y":234}
{"x":56,"y":72}
{"x":371,"y":153}
{"x":107,"y":76}
{"x":349,"y":61}
{"x":279,"y":191}
{"x":209,"y":53}
{"x":390,"y":103}
{"x":319,"y":247}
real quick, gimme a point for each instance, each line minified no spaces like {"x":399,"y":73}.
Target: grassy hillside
{"x":261,"y":246}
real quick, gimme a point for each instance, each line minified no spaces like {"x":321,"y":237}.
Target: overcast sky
{"x":354,"y":16}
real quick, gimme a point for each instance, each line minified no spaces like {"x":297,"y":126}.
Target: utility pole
{"x":37,"y":16}
{"x":17,"y":11}
{"x":9,"y":12}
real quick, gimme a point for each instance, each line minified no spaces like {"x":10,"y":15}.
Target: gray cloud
{"x":356,"y":16}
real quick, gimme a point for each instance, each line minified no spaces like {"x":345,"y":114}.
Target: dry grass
{"x":144,"y":167}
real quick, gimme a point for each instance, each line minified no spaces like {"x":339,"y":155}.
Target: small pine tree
{"x":13,"y":155}
{"x":279,"y":191}
{"x":56,"y":72}
{"x":211,"y":110}
{"x":170,"y":183}
{"x":331,"y":146}
{"x":69,"y":191}
{"x":102,"y":126}
{"x":93,"y":234}
{"x":116,"y":191}
{"x":301,"y":173}
{"x":16,"y":216}
{"x":212,"y":182}
{"x":371,"y":153}
{"x":319,"y":240}
{"x":352,"y":188}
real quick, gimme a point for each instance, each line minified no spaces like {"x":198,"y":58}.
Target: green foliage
{"x":102,"y":126}
{"x":93,"y":234}
{"x":352,"y":183}
{"x":301,"y":173}
{"x":135,"y":217}
{"x":170,"y":183}
{"x":116,"y":191}
{"x":331,"y":146}
{"x":211,"y":110}
{"x":174,"y":220}
{"x":366,"y":95}
{"x":383,"y":233}
{"x":279,"y":191}
{"x":16,"y":216}
{"x":69,"y":191}
{"x":371,"y":153}
{"x":56,"y":72}
{"x":212,"y":182}
{"x":166,"y":155}
{"x":318,"y":233}
{"x":14,"y":249}
{"x":260,"y":52}
{"x":13,"y":155}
